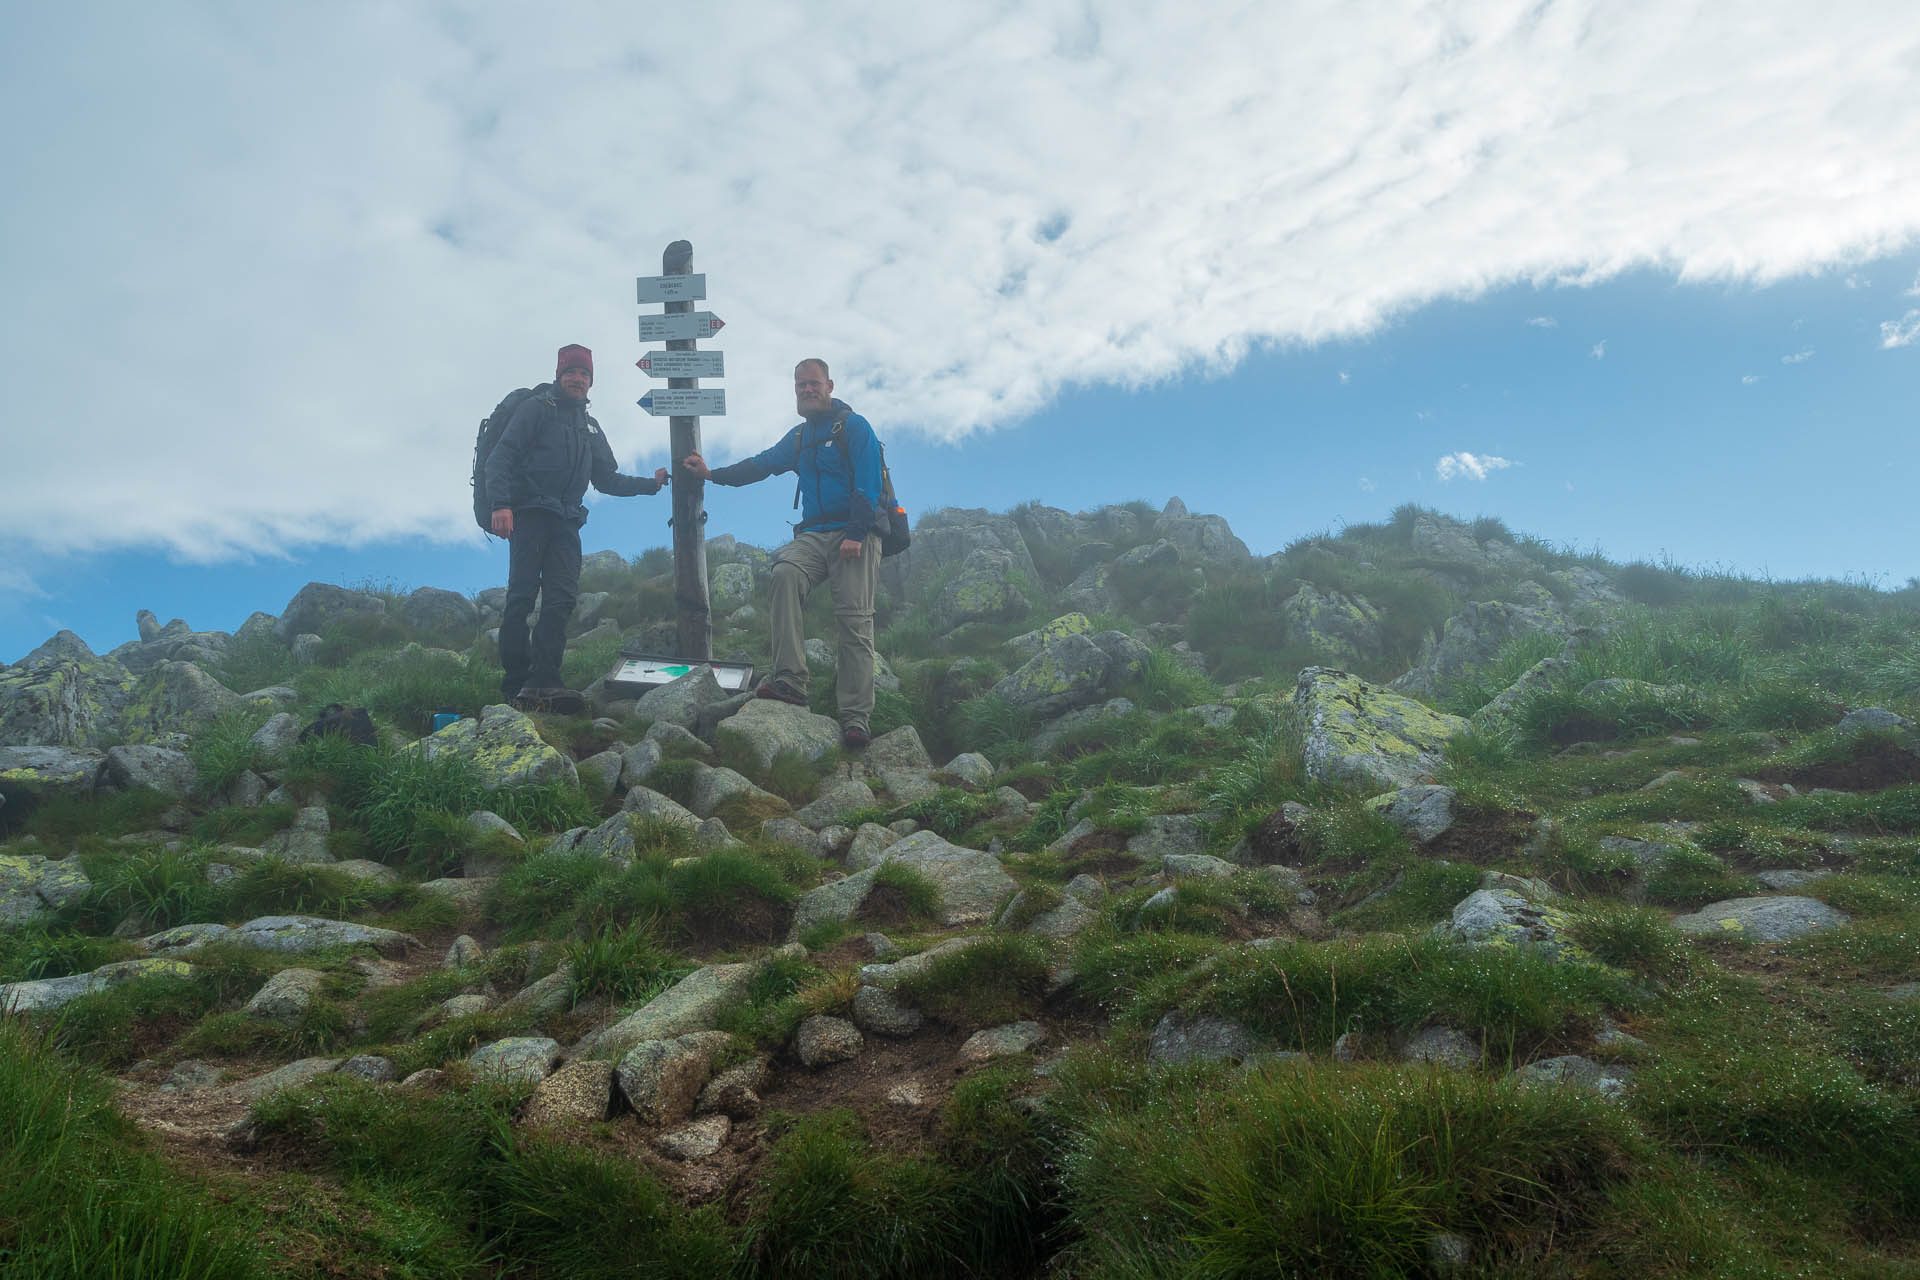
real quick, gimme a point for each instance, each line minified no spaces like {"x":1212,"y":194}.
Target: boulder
{"x":52,"y":993}
{"x":972,"y":884}
{"x":898,"y":749}
{"x":504,"y":747}
{"x":794,"y":834}
{"x":294,"y":935}
{"x":176,"y":697}
{"x":714,"y":787}
{"x":736,"y":1090}
{"x":896,"y":974}
{"x":1024,"y":646}
{"x":1573,"y":1070}
{"x":822,"y":1041}
{"x":32,"y":774}
{"x":662,"y":1078}
{"x":33,"y":888}
{"x":1002,"y":1042}
{"x":836,"y":801}
{"x":319,"y":603}
{"x":1091,"y":590}
{"x":1180,"y":1037}
{"x":1069,"y":672}
{"x":731,"y":585}
{"x":1169,"y":833}
{"x":679,"y":702}
{"x":692,"y":1004}
{"x":763,"y":728}
{"x":651,"y":804}
{"x":279,"y":735}
{"x":600,"y":773}
{"x":62,"y":695}
{"x":287,"y":995}
{"x":370,"y":1067}
{"x":985,"y":590}
{"x":1056,"y":732}
{"x":869,"y":844}
{"x":1504,"y":917}
{"x":697,"y":1139}
{"x":879,"y":1011}
{"x":517,"y":1059}
{"x":1357,"y":733}
{"x":1200,"y":537}
{"x":946,"y":537}
{"x":1341,"y":628}
{"x":306,"y":841}
{"x":295,"y":1075}
{"x":1471,"y":639}
{"x":445,"y":615}
{"x":581,"y":1092}
{"x":1423,"y":811}
{"x":1763,"y":919}
{"x":1443,"y":1046}
{"x":639,"y":761}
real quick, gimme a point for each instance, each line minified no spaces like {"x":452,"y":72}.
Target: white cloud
{"x":1366,"y":485}
{"x":1900,"y":333}
{"x":1747,"y":380}
{"x":1345,"y":377}
{"x":285,"y":257}
{"x":1855,"y":280}
{"x":1599,"y":351}
{"x":1543,"y":322}
{"x":1799,"y":357}
{"x":1913,"y":291}
{"x":16,"y":585}
{"x":1473,"y":466}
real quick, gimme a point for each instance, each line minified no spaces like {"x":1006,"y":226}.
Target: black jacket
{"x":551,"y":450}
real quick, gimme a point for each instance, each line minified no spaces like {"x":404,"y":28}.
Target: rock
{"x":1504,"y":917}
{"x":484,"y":823}
{"x":468,"y":894}
{"x":287,"y":995}
{"x":1201,"y":537}
{"x":1160,"y":552}
{"x":581,"y":1092}
{"x":1444,"y":1046}
{"x":444,"y":615}
{"x":304,"y":843}
{"x":713,"y":834}
{"x":317,"y":604}
{"x":763,"y":728}
{"x":1472,"y":639}
{"x":1009,"y":803}
{"x":185,"y":937}
{"x":461,"y":1007}
{"x":883,"y":1013}
{"x":159,"y":769}
{"x":679,"y":702}
{"x":1763,"y":919}
{"x":62,"y":695}
{"x":639,"y":761}
{"x":697,"y":1140}
{"x":985,"y":590}
{"x":695,"y":1003}
{"x":948,"y":537}
{"x":517,"y":1059}
{"x":869,"y":846}
{"x":1786,"y":878}
{"x":294,"y":1075}
{"x":176,"y":697}
{"x":1087,"y":889}
{"x":34,"y":888}
{"x":822,"y":1041}
{"x":972,"y":884}
{"x":52,"y":993}
{"x":600,"y":773}
{"x":1180,"y":1037}
{"x":545,"y":997}
{"x":1341,"y":628}
{"x":1879,"y":720}
{"x":904,"y":786}
{"x":191,"y":1075}
{"x":713,"y":787}
{"x":1026,"y":645}
{"x":1196,"y":866}
{"x":464,"y":952}
{"x":731,"y":586}
{"x":370,"y":1067}
{"x":970,"y":769}
{"x":1360,"y":734}
{"x":1057,"y":731}
{"x":660,"y":1079}
{"x":1572,"y":1069}
{"x":293,"y":935}
{"x":1423,"y":811}
{"x":794,"y":834}
{"x":898,"y":749}
{"x":1002,"y":1042}
{"x":836,"y":801}
{"x":503,"y":747}
{"x":33,"y":774}
{"x":1170,"y":834}
{"x":1069,"y":672}
{"x":651,"y":804}
{"x":273,"y":740}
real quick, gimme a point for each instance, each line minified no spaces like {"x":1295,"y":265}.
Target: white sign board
{"x":685,"y":402}
{"x":683,"y":364}
{"x":688,"y":324}
{"x":658,"y":671}
{"x":671,"y":288}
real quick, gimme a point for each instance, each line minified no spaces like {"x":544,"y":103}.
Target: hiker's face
{"x":575,"y":381}
{"x":812,"y":390}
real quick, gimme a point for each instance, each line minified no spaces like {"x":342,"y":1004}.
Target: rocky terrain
{"x":1421,"y":900}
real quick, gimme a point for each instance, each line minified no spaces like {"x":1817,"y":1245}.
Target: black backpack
{"x":337,"y":721}
{"x":492,"y":427}
{"x":895,"y":537}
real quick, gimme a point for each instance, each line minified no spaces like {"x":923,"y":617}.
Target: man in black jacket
{"x":551,"y":450}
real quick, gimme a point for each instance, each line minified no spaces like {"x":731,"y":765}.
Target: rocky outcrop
{"x":1763,"y":919}
{"x":33,"y":888}
{"x":504,"y":747}
{"x":62,"y":695}
{"x":1341,"y":628}
{"x":1360,"y":734}
{"x":764,"y":728}
{"x":1472,"y":638}
{"x":319,"y":603}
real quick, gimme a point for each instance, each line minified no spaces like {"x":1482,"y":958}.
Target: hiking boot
{"x":855,"y":738}
{"x":780,"y":691}
{"x":550,"y":698}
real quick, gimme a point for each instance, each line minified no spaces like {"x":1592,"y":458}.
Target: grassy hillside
{"x":1251,"y":1035}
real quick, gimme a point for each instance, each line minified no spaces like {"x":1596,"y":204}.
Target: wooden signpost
{"x":682,"y":402}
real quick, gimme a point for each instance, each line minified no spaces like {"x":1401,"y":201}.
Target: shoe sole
{"x":773,"y":695}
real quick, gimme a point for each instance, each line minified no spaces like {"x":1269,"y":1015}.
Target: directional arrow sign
{"x":685,"y":403}
{"x":687,"y":324}
{"x":683,"y":364}
{"x":671,"y":288}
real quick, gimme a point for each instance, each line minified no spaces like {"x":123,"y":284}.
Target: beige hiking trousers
{"x":811,"y":558}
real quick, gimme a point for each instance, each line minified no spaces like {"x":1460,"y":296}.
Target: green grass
{"x":991,"y":982}
{"x":223,"y":750}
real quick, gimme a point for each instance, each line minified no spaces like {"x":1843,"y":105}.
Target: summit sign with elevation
{"x":683,"y":401}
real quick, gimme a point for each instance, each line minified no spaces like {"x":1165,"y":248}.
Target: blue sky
{"x":1639,"y":277}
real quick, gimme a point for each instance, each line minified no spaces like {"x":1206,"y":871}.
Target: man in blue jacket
{"x":551,"y":450}
{"x":837,"y":540}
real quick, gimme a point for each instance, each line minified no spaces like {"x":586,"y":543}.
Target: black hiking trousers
{"x":543,"y":562}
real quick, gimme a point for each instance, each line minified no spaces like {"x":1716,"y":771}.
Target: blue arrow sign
{"x":685,"y":402}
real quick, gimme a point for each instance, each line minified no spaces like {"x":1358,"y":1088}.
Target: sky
{"x":1636,"y":276}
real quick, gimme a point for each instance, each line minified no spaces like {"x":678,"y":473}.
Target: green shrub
{"x":249,"y":827}
{"x":35,"y":951}
{"x":620,"y":965}
{"x":223,"y":750}
{"x":990,"y":982}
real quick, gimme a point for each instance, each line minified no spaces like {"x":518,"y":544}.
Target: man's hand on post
{"x":661,"y":477}
{"x":503,"y":522}
{"x":696,"y":466}
{"x":851,"y":550}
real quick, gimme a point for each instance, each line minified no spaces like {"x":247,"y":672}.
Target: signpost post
{"x":678,"y":287}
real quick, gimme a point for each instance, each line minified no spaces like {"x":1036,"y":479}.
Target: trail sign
{"x":670,"y":288}
{"x":683,"y":364}
{"x":685,"y":402}
{"x":686,"y":324}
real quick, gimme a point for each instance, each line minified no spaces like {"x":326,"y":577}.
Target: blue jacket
{"x":820,"y":455}
{"x":551,"y":450}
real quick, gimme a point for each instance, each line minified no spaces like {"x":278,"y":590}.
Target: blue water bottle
{"x":444,"y":717}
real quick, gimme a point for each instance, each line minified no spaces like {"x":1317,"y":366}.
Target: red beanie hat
{"x":574,"y":356}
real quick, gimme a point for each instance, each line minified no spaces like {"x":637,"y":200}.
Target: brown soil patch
{"x":1482,"y":838}
{"x":1276,"y":842}
{"x":1874,"y":766}
{"x":1034,"y":789}
{"x":748,"y":919}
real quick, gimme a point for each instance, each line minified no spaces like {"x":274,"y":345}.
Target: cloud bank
{"x":283,"y":258}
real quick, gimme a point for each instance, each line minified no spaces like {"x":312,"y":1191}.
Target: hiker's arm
{"x":608,"y":479}
{"x":863,"y":495}
{"x":768,"y":462}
